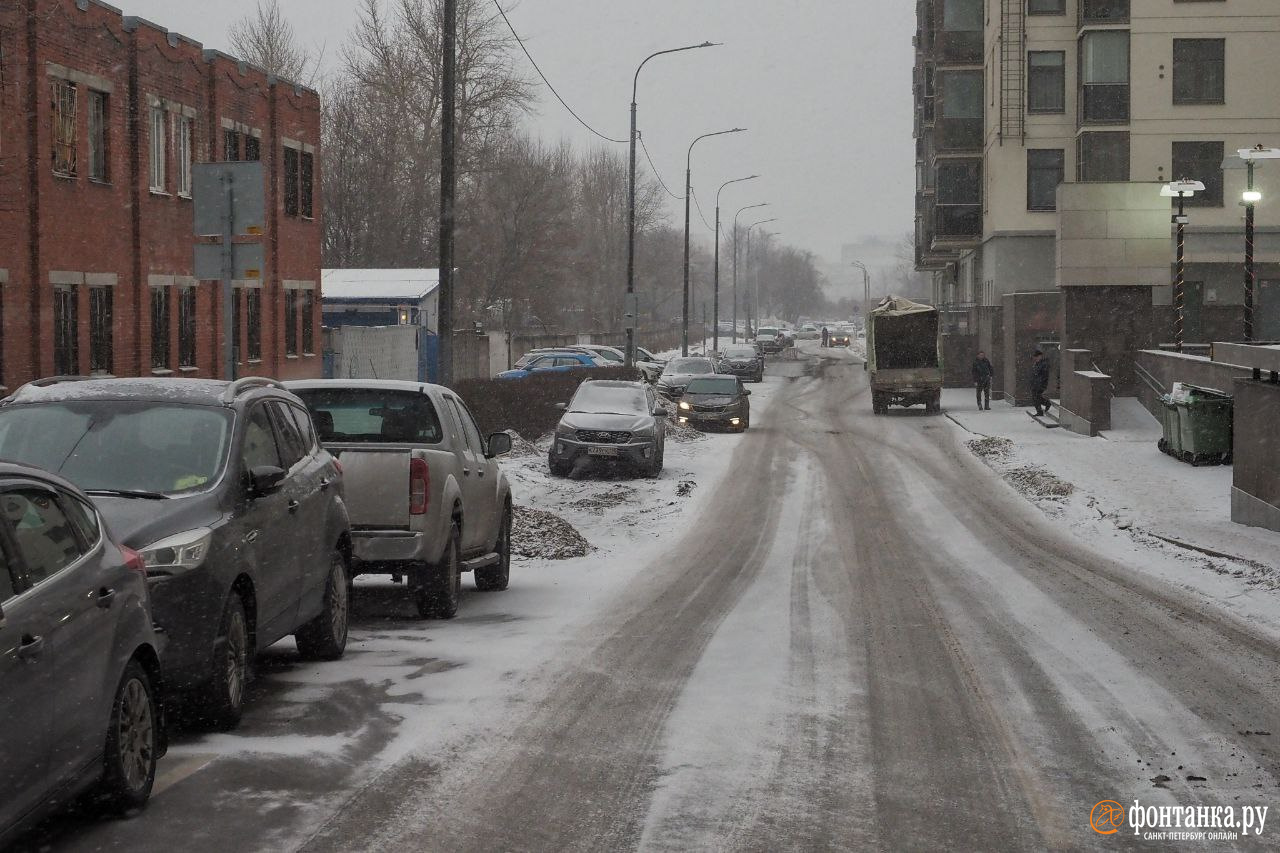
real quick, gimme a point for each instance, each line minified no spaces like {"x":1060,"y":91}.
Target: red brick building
{"x":101,"y":118}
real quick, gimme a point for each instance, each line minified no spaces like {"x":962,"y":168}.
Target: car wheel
{"x":559,"y":468}
{"x":223,"y":701}
{"x":441,"y":586}
{"x":496,"y":578}
{"x":654,"y":468}
{"x":132,"y":743}
{"x":325,"y":637}
{"x":745,"y":425}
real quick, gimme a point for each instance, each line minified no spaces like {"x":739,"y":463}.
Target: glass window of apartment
{"x":1102,"y":157}
{"x":253,"y":322}
{"x":291,"y":322}
{"x":183,"y":126}
{"x":187,"y":327}
{"x":252,"y":148}
{"x":101,"y":339}
{"x":962,"y":112}
{"x":306,"y":179}
{"x":1046,"y":81}
{"x":64,"y":128}
{"x":961,"y":36}
{"x":308,"y":321}
{"x":1046,"y":7}
{"x":160,"y":328}
{"x":231,"y":146}
{"x":1199,"y":71}
{"x":959,"y":198}
{"x":99,"y":124}
{"x":1200,"y":161}
{"x":291,"y":199}
{"x":1104,"y":11}
{"x":1045,"y":170}
{"x":1104,"y":76}
{"x":66,"y":343}
{"x":158,"y":131}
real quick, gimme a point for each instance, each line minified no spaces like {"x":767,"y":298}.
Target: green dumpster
{"x":1205,"y":424}
{"x":1171,"y":442}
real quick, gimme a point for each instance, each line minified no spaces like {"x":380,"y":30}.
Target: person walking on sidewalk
{"x":982,"y":374}
{"x":1039,"y":383}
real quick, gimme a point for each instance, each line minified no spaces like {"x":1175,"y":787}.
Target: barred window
{"x":99,"y":124}
{"x":182,"y":151}
{"x":230,"y":146}
{"x":187,"y":327}
{"x":101,"y":339}
{"x":253,"y":320}
{"x":291,"y":199}
{"x":307,"y":180}
{"x":64,"y":128}
{"x":291,"y":322}
{"x":66,"y":343}
{"x":308,"y":321}
{"x":158,"y":131}
{"x":160,"y":328}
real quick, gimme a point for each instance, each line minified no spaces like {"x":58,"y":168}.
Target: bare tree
{"x":266,"y":39}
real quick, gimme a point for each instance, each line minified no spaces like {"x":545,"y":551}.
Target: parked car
{"x":235,"y":507}
{"x":426,"y":496}
{"x":558,"y":361}
{"x":611,"y":421}
{"x":79,"y":658}
{"x":716,"y":401}
{"x":676,"y":375}
{"x":742,"y":360}
{"x":770,"y":339}
{"x":808,"y":332}
{"x":650,"y":364}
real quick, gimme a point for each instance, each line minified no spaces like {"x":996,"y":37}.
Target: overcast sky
{"x":824,"y":87}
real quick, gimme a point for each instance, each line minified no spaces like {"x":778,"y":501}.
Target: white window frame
{"x":159,"y":130}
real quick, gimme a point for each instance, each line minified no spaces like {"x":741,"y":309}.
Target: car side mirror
{"x":661,"y":413}
{"x":499,"y":445}
{"x":265,"y":480}
{"x":746,"y":392}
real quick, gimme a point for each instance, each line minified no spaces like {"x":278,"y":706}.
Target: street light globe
{"x":1252,"y":196}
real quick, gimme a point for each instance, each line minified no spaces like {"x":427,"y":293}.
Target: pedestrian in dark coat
{"x":982,"y":374}
{"x":1039,"y":383}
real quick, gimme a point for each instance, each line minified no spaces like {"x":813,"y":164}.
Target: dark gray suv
{"x":232,"y":502}
{"x":79,"y":659}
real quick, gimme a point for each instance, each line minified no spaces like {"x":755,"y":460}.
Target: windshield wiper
{"x":127,"y":493}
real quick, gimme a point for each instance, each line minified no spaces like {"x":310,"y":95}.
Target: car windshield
{"x":739,"y":352}
{"x":609,"y":355}
{"x":766,"y":332}
{"x":120,"y":446}
{"x":727,"y":386}
{"x":609,"y":400}
{"x":690,"y":365}
{"x":372,"y":416}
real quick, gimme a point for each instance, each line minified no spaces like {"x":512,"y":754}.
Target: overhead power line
{"x":701,"y":215}
{"x":654,"y":169}
{"x":534,"y":63}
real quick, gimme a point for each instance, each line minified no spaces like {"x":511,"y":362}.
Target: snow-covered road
{"x":851,"y":634}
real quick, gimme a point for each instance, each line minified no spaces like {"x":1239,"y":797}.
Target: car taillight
{"x":419,"y":482}
{"x":134,"y":560}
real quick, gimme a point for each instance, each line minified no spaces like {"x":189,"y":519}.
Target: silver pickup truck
{"x":426,"y":499}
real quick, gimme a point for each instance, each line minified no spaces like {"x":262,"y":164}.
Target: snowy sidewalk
{"x":1120,"y":477}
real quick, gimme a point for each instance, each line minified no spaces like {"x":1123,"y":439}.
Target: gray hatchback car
{"x":80,"y":674}
{"x":226,"y":492}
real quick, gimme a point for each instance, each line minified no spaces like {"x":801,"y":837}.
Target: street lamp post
{"x":735,"y":263}
{"x":631,"y":199}
{"x":716,"y":298}
{"x":866,"y":286}
{"x":1251,"y":198}
{"x":688,"y":198}
{"x":1181,"y":190}
{"x":756,"y":295}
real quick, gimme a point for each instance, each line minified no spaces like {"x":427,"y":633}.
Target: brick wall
{"x":84,"y":223}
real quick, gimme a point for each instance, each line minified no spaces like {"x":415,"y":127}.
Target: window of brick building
{"x":183,"y":126}
{"x":101,"y":337}
{"x":253,"y":322}
{"x":252,"y":149}
{"x":1199,"y":71}
{"x":308,"y":321}
{"x":1200,"y":161}
{"x":160,"y":328}
{"x":187,"y":327}
{"x":1103,"y":157}
{"x":158,"y":149}
{"x":66,"y":343}
{"x":1046,"y":7}
{"x":64,"y":128}
{"x":291,"y":322}
{"x":307,"y":180}
{"x":99,"y":136}
{"x":291,"y":169}
{"x":230,"y":146}
{"x":1045,"y":167}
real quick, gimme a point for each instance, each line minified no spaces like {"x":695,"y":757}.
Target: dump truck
{"x":904,"y":360}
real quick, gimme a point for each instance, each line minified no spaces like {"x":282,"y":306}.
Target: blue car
{"x":555,"y":362}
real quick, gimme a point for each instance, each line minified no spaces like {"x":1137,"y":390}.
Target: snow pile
{"x":683,"y":433}
{"x":993,"y":448}
{"x":598,"y":503}
{"x":1032,"y":480}
{"x":522,"y":447}
{"x":540,"y":535}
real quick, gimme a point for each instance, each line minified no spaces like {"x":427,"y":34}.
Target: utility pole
{"x":688,"y":197}
{"x":1181,"y":190}
{"x":448,"y":186}
{"x":716,"y":312}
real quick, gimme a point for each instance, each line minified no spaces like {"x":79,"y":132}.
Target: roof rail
{"x":45,"y":383}
{"x":248,"y":383}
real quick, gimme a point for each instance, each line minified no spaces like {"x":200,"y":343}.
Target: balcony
{"x":1104,"y":103}
{"x":1104,"y":12}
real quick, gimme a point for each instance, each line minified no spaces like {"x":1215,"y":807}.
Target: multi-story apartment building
{"x":1014,"y":97}
{"x":102,"y":117}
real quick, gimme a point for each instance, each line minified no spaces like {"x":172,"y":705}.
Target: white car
{"x":648,"y":365}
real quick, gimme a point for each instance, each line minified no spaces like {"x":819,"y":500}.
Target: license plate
{"x":602,"y":451}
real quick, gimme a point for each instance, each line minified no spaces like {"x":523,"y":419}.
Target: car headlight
{"x":179,"y":553}
{"x":685,"y":406}
{"x":561,"y":429}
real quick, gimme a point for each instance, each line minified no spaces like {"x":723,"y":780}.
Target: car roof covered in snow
{"x":206,"y":392}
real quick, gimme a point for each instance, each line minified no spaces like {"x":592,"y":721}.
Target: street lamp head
{"x":1259,"y":152}
{"x":1184,"y":188}
{"x":1252,"y":196}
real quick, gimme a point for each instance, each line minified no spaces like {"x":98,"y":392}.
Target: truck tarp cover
{"x":903,"y":335}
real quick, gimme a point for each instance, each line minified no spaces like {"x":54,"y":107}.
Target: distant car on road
{"x":716,"y":401}
{"x":424,"y":490}
{"x":809,"y":332}
{"x":559,"y":361}
{"x":676,"y":375}
{"x":841,"y":337}
{"x":611,"y":421}
{"x":742,"y":360}
{"x":644,"y":361}
{"x":235,"y":507}
{"x":770,"y":339}
{"x":79,"y":658}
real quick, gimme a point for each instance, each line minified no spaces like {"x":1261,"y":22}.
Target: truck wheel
{"x":496,"y":578}
{"x":441,"y":586}
{"x":132,"y":743}
{"x":325,"y":637}
{"x":221,"y":702}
